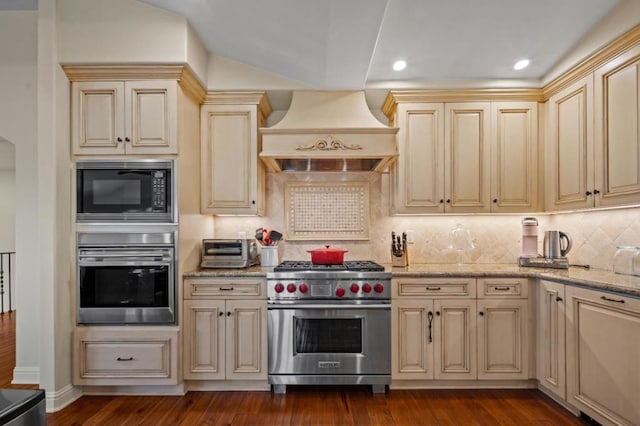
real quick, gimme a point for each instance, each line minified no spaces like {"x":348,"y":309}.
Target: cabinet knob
{"x":441,"y":201}
{"x":448,"y":201}
{"x":221,"y":314}
{"x":119,"y":139}
{"x":228,"y":314}
{"x":596,"y":192}
{"x":438,"y":313}
{"x":588,"y":193}
{"x":481,"y":313}
{"x":558,"y":299}
{"x":495,"y":200}
{"x":253,"y":202}
{"x":127,"y":140}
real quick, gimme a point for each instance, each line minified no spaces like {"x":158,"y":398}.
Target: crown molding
{"x":240,"y":98}
{"x":620,"y":45}
{"x":458,"y":95}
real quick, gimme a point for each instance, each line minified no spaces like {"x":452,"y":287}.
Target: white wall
{"x":18,"y":33}
{"x":126,"y":31}
{"x":7,"y":210}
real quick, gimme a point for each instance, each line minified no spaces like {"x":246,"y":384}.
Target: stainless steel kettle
{"x":553,"y":248}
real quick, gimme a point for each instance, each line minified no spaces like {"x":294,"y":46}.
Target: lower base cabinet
{"x":225,"y":329}
{"x":603,"y":355}
{"x":551,"y":367}
{"x":125,"y":356}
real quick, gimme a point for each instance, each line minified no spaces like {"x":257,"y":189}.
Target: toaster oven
{"x":219,"y":253}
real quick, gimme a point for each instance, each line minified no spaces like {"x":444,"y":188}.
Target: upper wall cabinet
{"x":569,"y":154}
{"x":461,"y":157}
{"x":617,"y":136}
{"x":593,"y":139}
{"x":232,"y":174}
{"x":128,"y":109}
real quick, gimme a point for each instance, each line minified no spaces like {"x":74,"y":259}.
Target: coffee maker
{"x":555,"y":246}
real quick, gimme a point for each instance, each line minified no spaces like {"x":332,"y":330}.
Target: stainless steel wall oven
{"x":126,"y":278}
{"x":126,"y":191}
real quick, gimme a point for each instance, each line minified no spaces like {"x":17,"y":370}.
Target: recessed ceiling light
{"x":399,"y":65}
{"x":521,"y":64}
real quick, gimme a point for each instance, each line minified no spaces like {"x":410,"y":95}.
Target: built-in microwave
{"x":125,"y":190}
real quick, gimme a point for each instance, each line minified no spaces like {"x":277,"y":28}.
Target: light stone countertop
{"x":594,"y":278}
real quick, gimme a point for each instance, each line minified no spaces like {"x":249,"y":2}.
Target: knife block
{"x":400,"y":261}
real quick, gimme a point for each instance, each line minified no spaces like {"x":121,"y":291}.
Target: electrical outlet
{"x":410,"y":236}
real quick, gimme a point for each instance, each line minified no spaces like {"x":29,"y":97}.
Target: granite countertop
{"x":591,"y":278}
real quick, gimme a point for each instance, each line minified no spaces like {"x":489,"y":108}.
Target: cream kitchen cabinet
{"x":458,"y":157}
{"x":233,"y":180}
{"x":433,"y":334}
{"x":603,"y":349}
{"x":125,"y":356}
{"x":617,"y":131}
{"x":225,"y":336}
{"x":551,"y":367}
{"x":503,"y":329}
{"x":124,"y":117}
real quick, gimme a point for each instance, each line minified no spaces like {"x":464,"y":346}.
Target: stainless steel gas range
{"x":329,"y":324}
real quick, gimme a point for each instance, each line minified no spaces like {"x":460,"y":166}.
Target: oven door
{"x":330,"y":339}
{"x":128,"y":285}
{"x":109,"y":191}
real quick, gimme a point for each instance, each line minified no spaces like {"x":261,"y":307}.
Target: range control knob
{"x":303,"y":288}
{"x":291,"y":288}
{"x":355,"y":288}
{"x":366,"y":288}
{"x":339,"y":291}
{"x":378,"y":288}
{"x":279,"y":288}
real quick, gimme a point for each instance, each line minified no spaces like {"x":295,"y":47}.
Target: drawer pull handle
{"x":433,"y":288}
{"x":430,"y":320}
{"x":502,"y":288}
{"x":225,"y":288}
{"x":611,"y":300}
{"x":125,"y":359}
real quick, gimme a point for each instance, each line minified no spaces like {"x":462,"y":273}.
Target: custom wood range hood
{"x":328,"y":131}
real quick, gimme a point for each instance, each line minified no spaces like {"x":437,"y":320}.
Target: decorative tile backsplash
{"x":497,"y":238}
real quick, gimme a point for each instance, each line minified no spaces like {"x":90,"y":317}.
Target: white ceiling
{"x":349,"y":44}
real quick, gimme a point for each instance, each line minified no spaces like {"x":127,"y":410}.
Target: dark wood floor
{"x":302,"y":405}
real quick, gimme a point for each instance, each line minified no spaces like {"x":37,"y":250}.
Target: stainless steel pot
{"x":553,"y":247}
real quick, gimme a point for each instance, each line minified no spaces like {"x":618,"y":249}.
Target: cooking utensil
{"x":327,"y":255}
{"x":259,"y":235}
{"x":275,"y":236}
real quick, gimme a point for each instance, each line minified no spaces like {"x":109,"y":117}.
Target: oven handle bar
{"x":330,"y":306}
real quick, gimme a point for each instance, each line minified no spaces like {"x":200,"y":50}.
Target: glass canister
{"x":623,"y":260}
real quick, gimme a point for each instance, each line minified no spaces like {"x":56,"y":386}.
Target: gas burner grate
{"x":350,"y":265}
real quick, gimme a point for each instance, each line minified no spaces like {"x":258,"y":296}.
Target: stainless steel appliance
{"x":126,"y":190}
{"x":22,"y":407}
{"x":329,"y":324}
{"x":553,"y":247}
{"x":126,"y":278}
{"x":240,"y":253}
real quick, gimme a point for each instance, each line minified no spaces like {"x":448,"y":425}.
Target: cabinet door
{"x":204,"y":339}
{"x":551,"y":338}
{"x":515,"y":156}
{"x":455,"y":336}
{"x":569,"y":152}
{"x":246,"y":339}
{"x":97,"y":118}
{"x":603,"y":349}
{"x":467,"y":157}
{"x":151,"y":117}
{"x":502,"y":339}
{"x":417,"y":178}
{"x":617,"y":134}
{"x":229,"y":159}
{"x":412,"y":339}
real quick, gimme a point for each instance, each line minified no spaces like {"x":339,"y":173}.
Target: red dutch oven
{"x":327,"y":256}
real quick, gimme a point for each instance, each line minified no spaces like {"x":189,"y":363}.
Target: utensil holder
{"x":269,"y":256}
{"x":400,"y":261}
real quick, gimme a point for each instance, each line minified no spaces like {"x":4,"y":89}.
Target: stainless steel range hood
{"x":328,"y":131}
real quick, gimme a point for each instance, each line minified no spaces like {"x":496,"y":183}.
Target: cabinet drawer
{"x":495,"y":288}
{"x":236,"y":288}
{"x":435,"y":287}
{"x":124,"y":356}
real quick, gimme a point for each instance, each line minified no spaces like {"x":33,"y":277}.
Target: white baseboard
{"x":61,"y":398}
{"x":26,"y":376}
{"x":162,"y":390}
